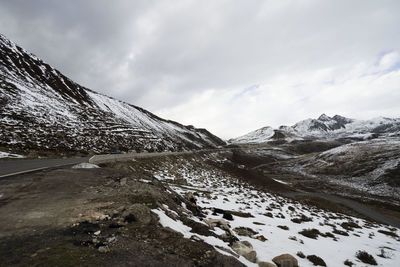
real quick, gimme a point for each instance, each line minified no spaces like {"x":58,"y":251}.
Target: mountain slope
{"x":327,"y":128}
{"x":41,"y":109}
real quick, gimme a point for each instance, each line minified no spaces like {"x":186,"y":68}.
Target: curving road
{"x":19,"y":166}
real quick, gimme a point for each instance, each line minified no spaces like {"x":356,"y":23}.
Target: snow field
{"x":216,"y":189}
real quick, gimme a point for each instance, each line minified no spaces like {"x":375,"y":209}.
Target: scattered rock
{"x":218,"y":211}
{"x":227,"y":216}
{"x":239,"y":214}
{"x":129,"y":218}
{"x":261,"y":238}
{"x":245,"y":231}
{"x":115,"y":225}
{"x":123,"y":181}
{"x":301,"y":254}
{"x":269,"y":214}
{"x":251,"y":256}
{"x":220,"y":223}
{"x":365,"y":257}
{"x":242,"y":247}
{"x":111,"y":239}
{"x":229,"y":238}
{"x":317,"y":261}
{"x":137,"y":213}
{"x":104,"y":249}
{"x":285,"y":260}
{"x":189,"y":196}
{"x":348,"y":263}
{"x":265,"y":264}
{"x":97,"y":232}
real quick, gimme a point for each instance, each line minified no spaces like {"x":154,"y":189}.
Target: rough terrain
{"x":207,"y":209}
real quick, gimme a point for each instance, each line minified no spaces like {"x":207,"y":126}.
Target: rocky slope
{"x":326,"y":128}
{"x":41,"y":109}
{"x":187,"y":210}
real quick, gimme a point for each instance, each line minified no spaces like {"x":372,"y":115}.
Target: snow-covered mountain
{"x":41,"y":109}
{"x":257,"y":136}
{"x":326,"y":128}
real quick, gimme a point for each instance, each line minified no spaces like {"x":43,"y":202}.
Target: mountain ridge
{"x":44,"y":110}
{"x":328,"y":128}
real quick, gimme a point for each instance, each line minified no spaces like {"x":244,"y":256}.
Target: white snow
{"x":361,"y":129}
{"x":10,"y":155}
{"x":217,"y":189}
{"x":85,"y":165}
{"x":257,"y":136}
{"x":177,"y":226}
{"x":279,"y":181}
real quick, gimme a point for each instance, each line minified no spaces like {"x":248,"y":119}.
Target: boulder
{"x":245,"y":231}
{"x":137,"y":213}
{"x":285,"y":260}
{"x":103,"y":249}
{"x":265,"y":264}
{"x":242,"y":247}
{"x":189,"y":196}
{"x":251,"y":256}
{"x":221,"y":223}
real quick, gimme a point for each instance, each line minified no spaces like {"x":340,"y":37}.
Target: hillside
{"x":41,"y":109}
{"x":199,"y":209}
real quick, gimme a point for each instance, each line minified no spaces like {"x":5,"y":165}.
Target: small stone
{"x":261,"y":238}
{"x":111,"y":239}
{"x":227,"y":216}
{"x":123,"y":181}
{"x":104,"y":249}
{"x":97,"y":232}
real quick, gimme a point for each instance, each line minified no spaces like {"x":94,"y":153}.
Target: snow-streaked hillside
{"x":273,"y":225}
{"x":369,"y":166}
{"x":41,"y":109}
{"x":325,"y":127}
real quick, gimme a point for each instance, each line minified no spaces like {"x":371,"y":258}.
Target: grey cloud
{"x":162,"y":54}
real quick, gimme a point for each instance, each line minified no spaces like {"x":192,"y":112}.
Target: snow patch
{"x":85,"y":165}
{"x":10,"y":155}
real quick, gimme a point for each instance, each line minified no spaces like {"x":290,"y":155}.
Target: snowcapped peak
{"x":325,"y":127}
{"x":324,"y":117}
{"x":256,"y":136}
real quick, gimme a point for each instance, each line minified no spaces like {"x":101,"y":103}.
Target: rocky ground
{"x":194,"y":210}
{"x":365,"y":170}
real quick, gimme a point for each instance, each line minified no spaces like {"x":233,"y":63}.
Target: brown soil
{"x":53,"y":218}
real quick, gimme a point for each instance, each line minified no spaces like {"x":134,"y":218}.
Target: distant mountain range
{"x":41,"y":109}
{"x":325,"y":127}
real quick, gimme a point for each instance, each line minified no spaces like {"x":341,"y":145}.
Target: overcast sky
{"x":228,"y":66}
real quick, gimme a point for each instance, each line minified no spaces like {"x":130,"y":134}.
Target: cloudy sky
{"x":228,"y":66}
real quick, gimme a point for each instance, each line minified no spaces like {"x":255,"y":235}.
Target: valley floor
{"x":201,"y":209}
